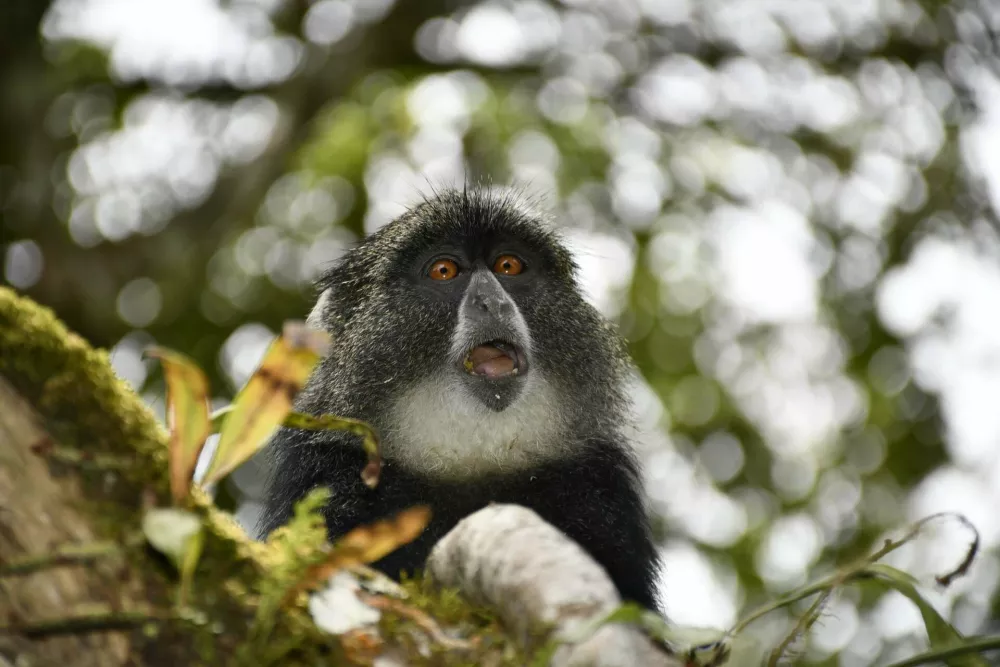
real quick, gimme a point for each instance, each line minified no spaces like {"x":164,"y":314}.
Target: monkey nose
{"x":486,"y":296}
{"x":488,"y":303}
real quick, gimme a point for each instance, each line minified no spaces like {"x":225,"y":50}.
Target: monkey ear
{"x":318,"y":317}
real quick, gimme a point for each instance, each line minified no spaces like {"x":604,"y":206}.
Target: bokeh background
{"x":790,"y":207}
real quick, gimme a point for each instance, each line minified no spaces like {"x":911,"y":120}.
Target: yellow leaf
{"x":187,"y":416}
{"x":261,"y":406}
{"x":366,"y":544}
{"x":369,"y":438}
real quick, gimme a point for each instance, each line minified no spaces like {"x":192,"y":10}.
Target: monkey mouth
{"x":495,"y":359}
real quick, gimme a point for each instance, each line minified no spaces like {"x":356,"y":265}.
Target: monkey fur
{"x":549,"y":436}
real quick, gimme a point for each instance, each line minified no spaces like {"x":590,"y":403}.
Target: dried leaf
{"x":362,"y":646}
{"x":381,"y":538}
{"x":187,"y":416}
{"x":299,"y":335}
{"x":369,"y":438}
{"x":365,"y":544}
{"x":261,"y":406}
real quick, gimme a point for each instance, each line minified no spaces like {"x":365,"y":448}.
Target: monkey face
{"x":475,"y":282}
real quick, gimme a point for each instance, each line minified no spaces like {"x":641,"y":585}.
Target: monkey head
{"x":460,"y":333}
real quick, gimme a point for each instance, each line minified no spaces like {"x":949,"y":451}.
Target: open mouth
{"x":495,"y":359}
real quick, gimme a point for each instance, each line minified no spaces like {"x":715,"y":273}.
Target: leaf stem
{"x":973,"y":645}
{"x":66,"y":555}
{"x":218,"y":418}
{"x":82,"y":623}
{"x":83,"y":459}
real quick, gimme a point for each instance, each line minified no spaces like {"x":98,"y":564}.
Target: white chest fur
{"x":439,"y":429}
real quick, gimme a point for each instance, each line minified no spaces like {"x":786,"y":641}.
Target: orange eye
{"x":508,"y":265}
{"x":444,"y":269}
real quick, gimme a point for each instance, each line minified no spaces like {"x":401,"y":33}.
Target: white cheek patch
{"x":315,"y":318}
{"x":438,"y":428}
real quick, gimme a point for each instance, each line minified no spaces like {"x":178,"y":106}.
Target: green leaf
{"x":940,"y":633}
{"x":169,"y":529}
{"x":177,"y":534}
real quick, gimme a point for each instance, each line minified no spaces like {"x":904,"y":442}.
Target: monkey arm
{"x":509,"y":558}
{"x":305,"y":460}
{"x":596,"y":501}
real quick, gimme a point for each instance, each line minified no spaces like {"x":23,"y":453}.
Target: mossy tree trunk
{"x":41,"y":513}
{"x":80,"y":458}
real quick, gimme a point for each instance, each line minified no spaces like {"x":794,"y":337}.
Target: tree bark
{"x":39,"y":514}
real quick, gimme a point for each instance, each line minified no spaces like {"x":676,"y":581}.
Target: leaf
{"x":365,"y":544}
{"x":188,"y":563}
{"x":187,"y":416}
{"x":937,"y":656}
{"x":940,"y":633}
{"x":369,"y":438}
{"x":372,"y":542}
{"x":261,"y":406}
{"x":177,"y":534}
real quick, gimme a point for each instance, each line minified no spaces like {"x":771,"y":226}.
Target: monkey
{"x":460,"y":333}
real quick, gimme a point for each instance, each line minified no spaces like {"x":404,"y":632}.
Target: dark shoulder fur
{"x":593,"y":497}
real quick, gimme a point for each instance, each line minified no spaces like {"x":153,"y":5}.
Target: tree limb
{"x":509,"y":558}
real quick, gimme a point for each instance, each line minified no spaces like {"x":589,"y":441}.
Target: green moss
{"x":72,"y":386}
{"x":459,"y":619}
{"x":85,"y":407}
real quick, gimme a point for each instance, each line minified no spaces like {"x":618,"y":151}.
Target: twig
{"x":857,"y":569}
{"x":376,"y":582}
{"x":803,"y":626}
{"x":423,"y":621}
{"x":977,"y":645}
{"x":66,"y":555}
{"x":82,"y":459}
{"x":83,"y":623}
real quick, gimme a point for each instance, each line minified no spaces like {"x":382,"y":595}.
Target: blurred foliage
{"x":653,"y":125}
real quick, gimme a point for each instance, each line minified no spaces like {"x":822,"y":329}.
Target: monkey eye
{"x":508,"y":265}
{"x":443,"y":269}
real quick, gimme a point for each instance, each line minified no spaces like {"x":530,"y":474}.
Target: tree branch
{"x":509,"y":558}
